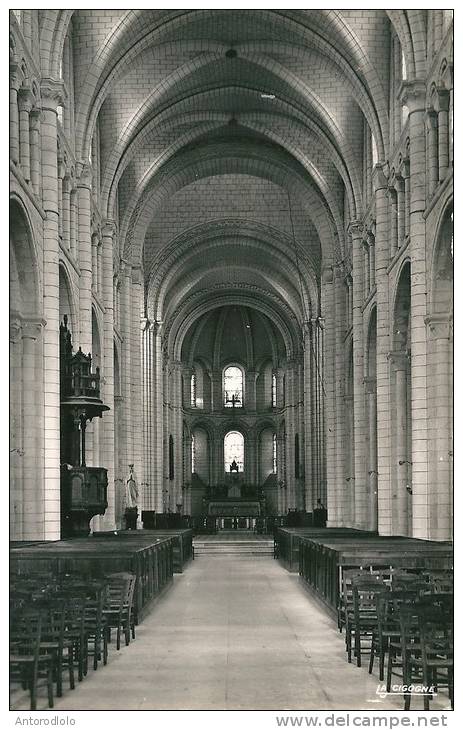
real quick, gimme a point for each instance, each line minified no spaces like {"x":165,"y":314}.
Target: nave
{"x":232,"y":633}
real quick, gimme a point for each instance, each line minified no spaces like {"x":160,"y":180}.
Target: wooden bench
{"x":287,"y":539}
{"x":182,"y":542}
{"x":323,"y":560}
{"x":150,"y":559}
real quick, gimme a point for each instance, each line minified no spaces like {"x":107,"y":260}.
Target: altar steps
{"x":236,"y":545}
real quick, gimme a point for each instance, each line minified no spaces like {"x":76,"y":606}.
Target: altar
{"x":234,"y":506}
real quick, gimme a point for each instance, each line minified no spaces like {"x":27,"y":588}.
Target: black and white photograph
{"x":231,"y":367}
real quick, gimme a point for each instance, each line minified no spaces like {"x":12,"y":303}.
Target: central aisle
{"x":233,"y":633}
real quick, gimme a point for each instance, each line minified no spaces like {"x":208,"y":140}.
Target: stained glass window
{"x":193,"y":390}
{"x":193,"y":454}
{"x":274,"y":390}
{"x":233,"y":387}
{"x":233,"y":448}
{"x":274,"y":461}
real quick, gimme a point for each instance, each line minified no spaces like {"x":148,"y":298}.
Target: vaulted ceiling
{"x":231,"y":142}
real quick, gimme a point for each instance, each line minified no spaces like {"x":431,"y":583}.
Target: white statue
{"x":131,"y":489}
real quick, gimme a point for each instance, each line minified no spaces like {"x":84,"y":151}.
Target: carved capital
{"x":413,"y":94}
{"x":25,"y":99}
{"x":137,"y":275}
{"x":15,"y":75}
{"x":15,"y":330}
{"x":399,"y":359}
{"x":355,"y":228}
{"x":440,"y":99}
{"x":53,"y":93}
{"x":327,"y":275}
{"x":157,"y":327}
{"x":34,"y":119}
{"x":32,"y":328}
{"x":439,"y":326}
{"x":379,"y":178}
{"x":431,"y":119}
{"x":84,"y":175}
{"x":109,"y":228}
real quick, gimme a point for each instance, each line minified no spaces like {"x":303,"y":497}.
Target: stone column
{"x":73,"y":222}
{"x":393,"y":231}
{"x":147,"y":380}
{"x":108,"y":421}
{"x":440,"y":452}
{"x":157,"y":419}
{"x":51,"y":94}
{"x":371,"y":258}
{"x":99,"y":258}
{"x":67,"y":212}
{"x":370,"y":391}
{"x":16,"y":430}
{"x":250,"y":390}
{"x":177,"y":429}
{"x":14,"y":113}
{"x":94,"y":261}
{"x":406,"y":177}
{"x":137,"y":309}
{"x":290,"y":437}
{"x":126,"y":366}
{"x":415,"y":94}
{"x":402,"y":465}
{"x":187,"y":373}
{"x":216,"y":388}
{"x":366,"y":269}
{"x":361,"y":497}
{"x":280,"y":373}
{"x":25,"y":101}
{"x":33,"y":502}
{"x":307,"y":395}
{"x":281,"y":473}
{"x":400,"y":185}
{"x":251,"y":458}
{"x":443,"y":132}
{"x":61,"y":174}
{"x":85,"y":258}
{"x":382,"y":349}
{"x":338,"y":514}
{"x":431,"y":152}
{"x":34,"y":141}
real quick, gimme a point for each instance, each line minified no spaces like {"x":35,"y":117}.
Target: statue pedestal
{"x":131,"y":514}
{"x":234,"y":492}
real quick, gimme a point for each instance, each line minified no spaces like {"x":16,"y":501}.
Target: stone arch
{"x":442,"y":265}
{"x":66,"y":298}
{"x":26,"y":393}
{"x":440,"y":380}
{"x":24,"y":270}
{"x":371,"y":418}
{"x":401,"y":414}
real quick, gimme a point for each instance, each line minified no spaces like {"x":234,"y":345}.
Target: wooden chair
{"x":27,"y":663}
{"x":345,"y":600}
{"x":387,"y":627}
{"x":53,"y":641}
{"x":432,"y":662}
{"x":361,"y":619}
{"x":118,"y":612}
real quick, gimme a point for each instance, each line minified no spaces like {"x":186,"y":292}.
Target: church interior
{"x":231,"y":339}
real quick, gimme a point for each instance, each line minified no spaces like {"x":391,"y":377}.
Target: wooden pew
{"x":151,"y":559}
{"x":182,"y":541}
{"x":287,"y":540}
{"x":323,"y":560}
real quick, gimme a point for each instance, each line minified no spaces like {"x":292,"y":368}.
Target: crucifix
{"x":233,"y":400}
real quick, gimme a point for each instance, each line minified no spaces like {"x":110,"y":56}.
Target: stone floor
{"x":232,"y":633}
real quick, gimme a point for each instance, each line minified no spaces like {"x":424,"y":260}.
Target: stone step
{"x":238,"y":547}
